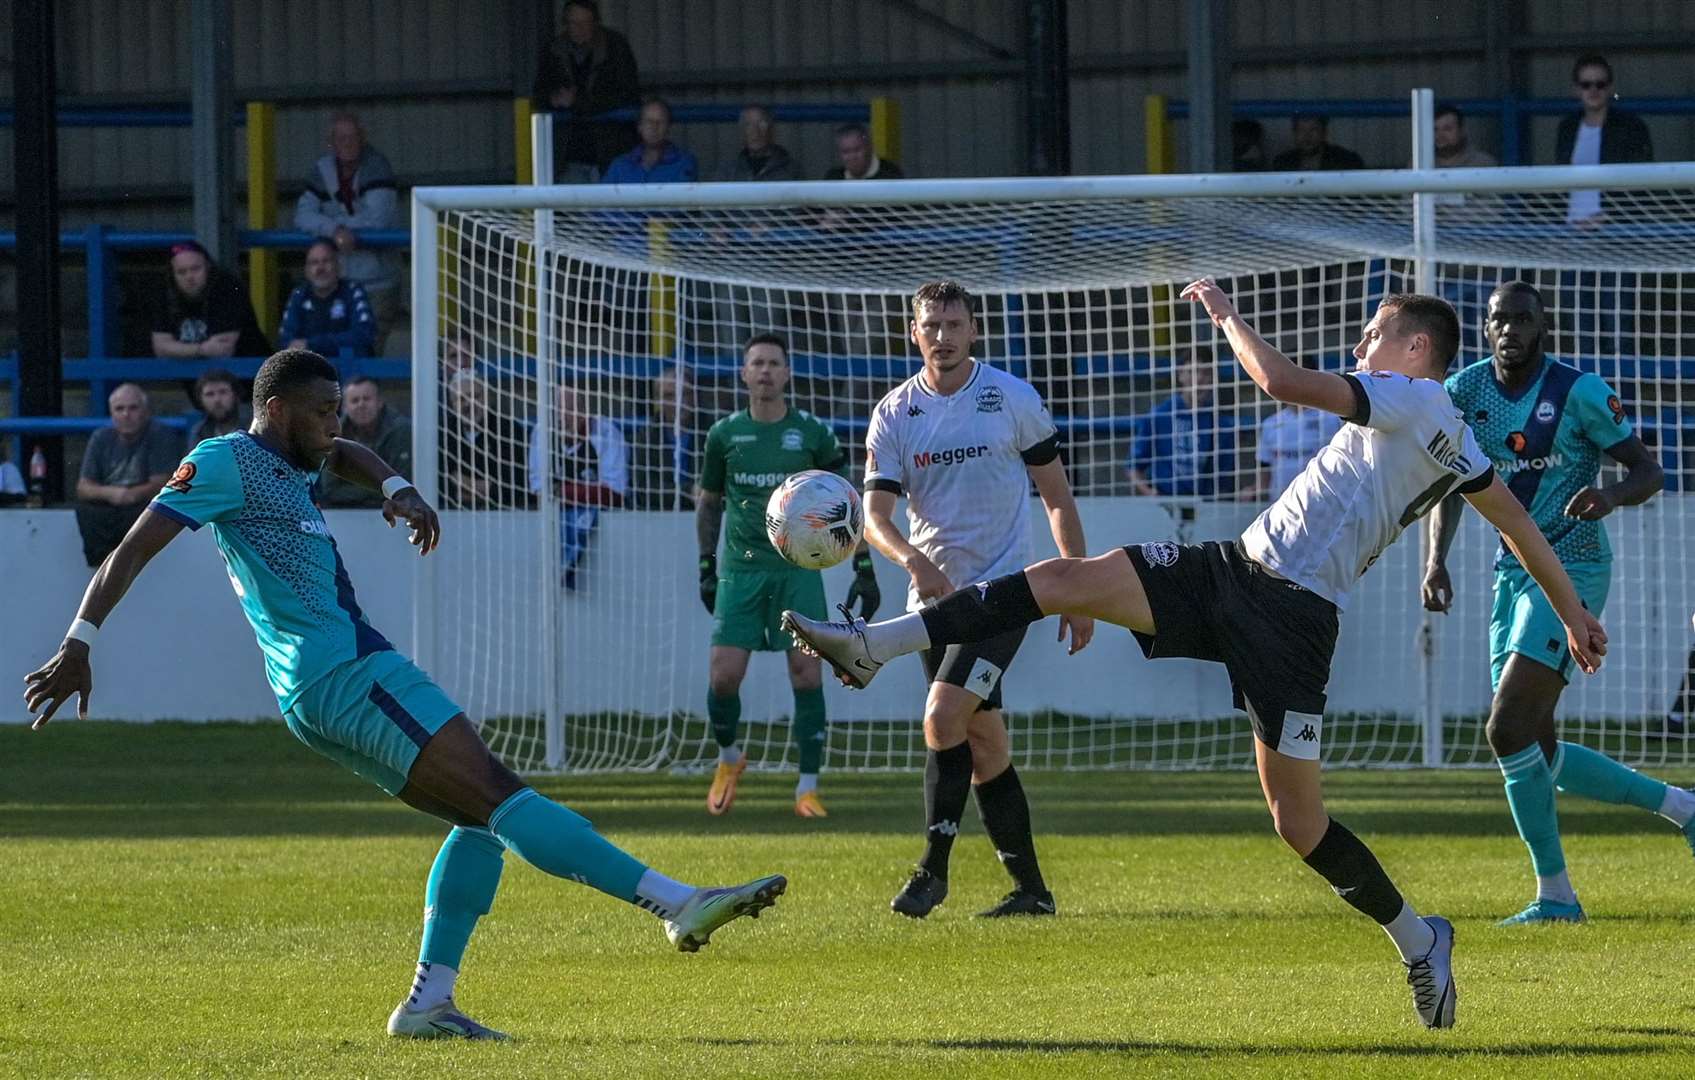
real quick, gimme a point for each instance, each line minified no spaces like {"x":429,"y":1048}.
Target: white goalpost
{"x":574,"y":344}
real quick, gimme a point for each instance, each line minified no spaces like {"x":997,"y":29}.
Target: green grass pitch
{"x":183,"y":900}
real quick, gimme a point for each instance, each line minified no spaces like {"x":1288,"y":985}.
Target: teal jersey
{"x":1546,"y":444}
{"x":280,"y":556}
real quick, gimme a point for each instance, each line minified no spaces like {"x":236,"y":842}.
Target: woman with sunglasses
{"x":1598,"y":134}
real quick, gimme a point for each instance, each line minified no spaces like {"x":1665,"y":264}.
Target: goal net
{"x":575,"y":344}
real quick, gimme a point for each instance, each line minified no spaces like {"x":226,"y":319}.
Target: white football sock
{"x":659,"y":894}
{"x":1412,"y":936}
{"x":897,"y":636}
{"x":1678,"y":806}
{"x":808,"y":782}
{"x":1556,"y":887}
{"x":729,"y":755}
{"x":432,"y":985}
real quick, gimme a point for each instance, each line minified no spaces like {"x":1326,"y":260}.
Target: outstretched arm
{"x":1438,"y":588}
{"x":1584,"y":633}
{"x":1067,"y":527}
{"x":362,"y":467}
{"x":69,"y":672}
{"x":1275,"y":373}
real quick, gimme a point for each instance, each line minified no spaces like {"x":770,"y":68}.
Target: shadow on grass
{"x":1151,"y":1047}
{"x":85,"y":780}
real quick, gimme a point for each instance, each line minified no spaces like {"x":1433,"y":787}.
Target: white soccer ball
{"x":814,"y":519}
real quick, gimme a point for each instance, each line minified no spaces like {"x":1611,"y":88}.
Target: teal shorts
{"x":1522,"y":621}
{"x":372,"y":715}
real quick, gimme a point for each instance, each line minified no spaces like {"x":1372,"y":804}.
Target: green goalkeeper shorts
{"x":750,"y":605}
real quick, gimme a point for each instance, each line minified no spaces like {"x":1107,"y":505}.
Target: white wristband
{"x":82,"y":630}
{"x":394,"y":485}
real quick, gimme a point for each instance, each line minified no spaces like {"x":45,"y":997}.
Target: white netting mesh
{"x":585,"y":618}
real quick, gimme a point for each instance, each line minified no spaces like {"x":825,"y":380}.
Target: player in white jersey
{"x":962,"y":441}
{"x":1266,"y":606}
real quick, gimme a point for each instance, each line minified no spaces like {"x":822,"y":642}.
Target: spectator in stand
{"x":1180,"y":446}
{"x":858,"y":161}
{"x":218,"y":394}
{"x":124,"y":466}
{"x":1288,"y":439}
{"x":371,"y":423}
{"x":587,"y":70}
{"x":761,"y":158}
{"x":204,"y":311}
{"x":590,"y":469}
{"x":458,"y":353}
{"x":656,"y":159}
{"x":1453,"y":147}
{"x":1598,"y":134}
{"x":662,"y":451}
{"x":482,"y":449}
{"x":1247,"y":139}
{"x":12,"y":486}
{"x":1313,"y":151}
{"x":328,"y":313}
{"x":352,"y":188}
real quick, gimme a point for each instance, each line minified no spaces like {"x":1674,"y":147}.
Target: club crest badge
{"x":1161,"y":553}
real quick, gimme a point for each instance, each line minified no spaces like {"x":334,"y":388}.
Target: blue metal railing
{"x":99,"y":242}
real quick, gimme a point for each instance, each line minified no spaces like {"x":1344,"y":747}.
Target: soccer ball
{"x":814,"y":519}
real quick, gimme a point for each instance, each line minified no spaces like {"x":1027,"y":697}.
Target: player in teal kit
{"x":345,"y":691}
{"x":1545,"y":425}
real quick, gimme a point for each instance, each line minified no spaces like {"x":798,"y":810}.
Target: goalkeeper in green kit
{"x":748,"y":454}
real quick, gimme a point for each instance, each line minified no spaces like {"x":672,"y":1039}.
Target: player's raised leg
{"x":1295,"y":798}
{"x":1104,"y":587}
{"x":728,"y":666}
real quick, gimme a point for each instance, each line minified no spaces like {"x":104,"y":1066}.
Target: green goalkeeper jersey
{"x":746,"y":460}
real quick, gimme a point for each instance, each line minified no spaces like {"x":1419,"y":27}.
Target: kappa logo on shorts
{"x":1307,"y":734}
{"x":985,"y":678}
{"x":1161,"y":553}
{"x":1554,"y":645}
{"x":183,"y":479}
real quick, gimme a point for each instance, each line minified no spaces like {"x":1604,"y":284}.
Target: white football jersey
{"x":1291,"y":437}
{"x":961,"y":460}
{"x":1405,"y":448}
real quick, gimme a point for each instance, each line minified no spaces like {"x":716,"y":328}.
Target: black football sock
{"x":1685,"y":703}
{"x":982,"y":611}
{"x":1006,"y":818}
{"x":947,"y":784}
{"x":1342,"y":859}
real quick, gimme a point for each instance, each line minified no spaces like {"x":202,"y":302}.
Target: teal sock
{"x":1582,"y":771}
{"x":460,"y":891}
{"x":1530,"y":796}
{"x":726,"y":716}
{"x":808,"y":728}
{"x":557,"y":840}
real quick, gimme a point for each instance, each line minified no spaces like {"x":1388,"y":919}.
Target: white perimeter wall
{"x":178,"y":646}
